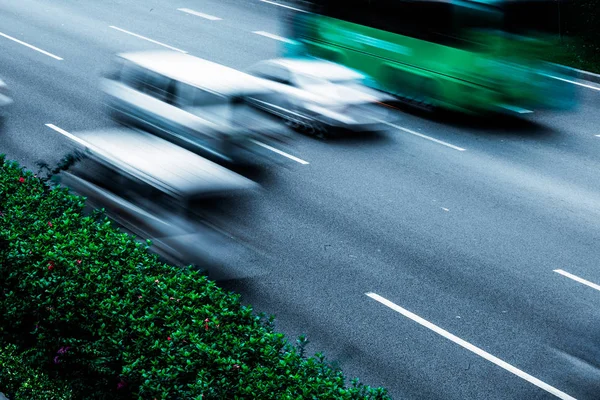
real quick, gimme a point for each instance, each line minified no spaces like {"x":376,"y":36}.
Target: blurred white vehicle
{"x":154,"y":189}
{"x":319,"y":96}
{"x":195,"y":103}
{"x":5,"y":99}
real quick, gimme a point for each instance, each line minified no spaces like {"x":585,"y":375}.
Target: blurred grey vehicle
{"x":319,"y":97}
{"x":154,"y":190}
{"x":5,"y":99}
{"x":195,"y":103}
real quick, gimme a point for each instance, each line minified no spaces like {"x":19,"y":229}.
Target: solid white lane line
{"x":282,"y":5}
{"x":470,"y":347}
{"x":67,"y":134}
{"x":424,"y":136}
{"x":597,"y":135}
{"x":199,"y":14}
{"x":148,"y":39}
{"x":577,"y":279}
{"x":282,"y":153}
{"x":272,"y":36}
{"x":30,"y":46}
{"x":576,"y":83}
{"x":266,"y":146}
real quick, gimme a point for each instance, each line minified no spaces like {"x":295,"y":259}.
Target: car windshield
{"x":350,"y":83}
{"x":305,"y":80}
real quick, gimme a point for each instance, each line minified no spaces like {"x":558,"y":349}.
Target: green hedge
{"x":18,"y":381}
{"x":93,"y":307}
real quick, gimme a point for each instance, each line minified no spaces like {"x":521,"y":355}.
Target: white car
{"x":155,"y":189}
{"x":319,"y":96}
{"x":5,"y":99}
{"x":193,"y":102}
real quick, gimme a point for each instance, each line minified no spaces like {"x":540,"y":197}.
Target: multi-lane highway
{"x":442,"y":259}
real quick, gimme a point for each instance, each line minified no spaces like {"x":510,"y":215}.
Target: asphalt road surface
{"x":442,"y":259}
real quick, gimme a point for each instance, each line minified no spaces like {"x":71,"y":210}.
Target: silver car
{"x":154,"y":189}
{"x":319,"y":96}
{"x":198,"y":104}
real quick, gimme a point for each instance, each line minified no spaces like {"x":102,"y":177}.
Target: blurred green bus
{"x":469,"y":56}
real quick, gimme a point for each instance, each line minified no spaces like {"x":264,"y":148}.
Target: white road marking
{"x":577,"y":279}
{"x":597,"y":135}
{"x":282,"y":153}
{"x":148,"y":39}
{"x":69,"y":135}
{"x":445,"y":209}
{"x":30,"y":46}
{"x":472,"y":348}
{"x":272,"y":36}
{"x":199,"y":14}
{"x":576,"y":83}
{"x":424,"y":136}
{"x":282,"y":5}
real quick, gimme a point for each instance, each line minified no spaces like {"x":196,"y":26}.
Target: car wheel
{"x":321,"y":131}
{"x":317,"y":130}
{"x":290,"y":123}
{"x":303,"y":127}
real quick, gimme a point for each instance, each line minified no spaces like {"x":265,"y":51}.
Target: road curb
{"x":588,"y":76}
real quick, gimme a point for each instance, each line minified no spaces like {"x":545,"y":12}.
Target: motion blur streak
{"x":168,"y":143}
{"x":481,"y":56}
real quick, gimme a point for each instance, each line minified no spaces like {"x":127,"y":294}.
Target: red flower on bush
{"x":168,"y":337}
{"x":50,"y":224}
{"x":50,"y":266}
{"x":78,"y":262}
{"x":206,"y":324}
{"x":21,"y":179}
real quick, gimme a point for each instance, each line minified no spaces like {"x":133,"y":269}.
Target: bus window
{"x":355,"y":11}
{"x":472,"y":20}
{"x":426,"y":20}
{"x":527,"y":17}
{"x":419,"y":19}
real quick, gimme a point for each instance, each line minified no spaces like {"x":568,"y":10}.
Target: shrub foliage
{"x":95,"y":309}
{"x":19,"y":381}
